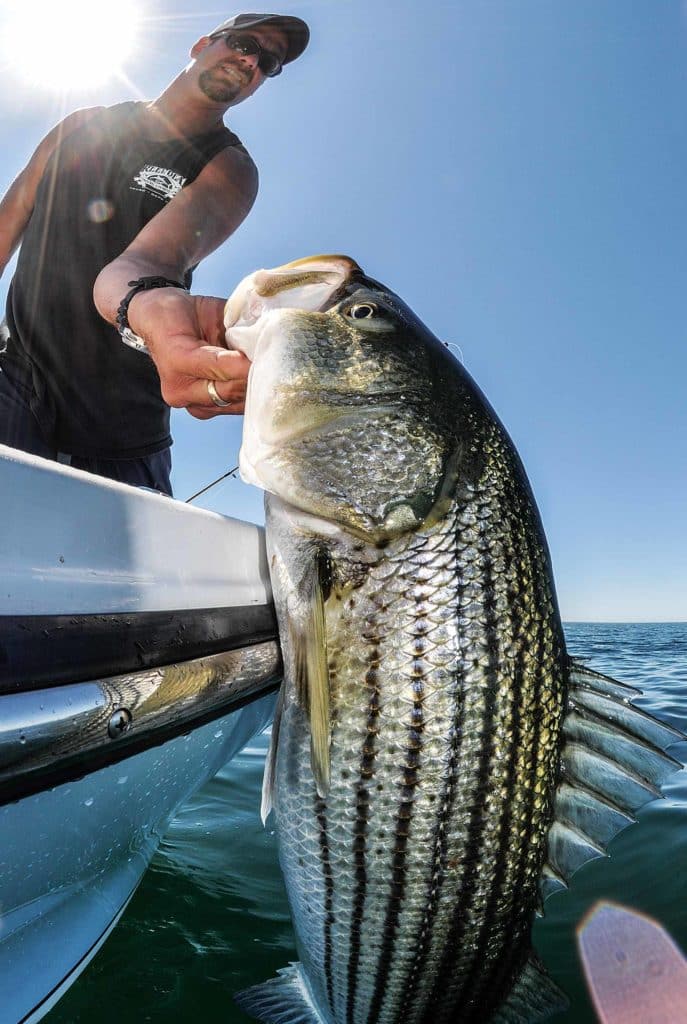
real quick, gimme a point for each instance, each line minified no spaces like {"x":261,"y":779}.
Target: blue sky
{"x":515,"y":170}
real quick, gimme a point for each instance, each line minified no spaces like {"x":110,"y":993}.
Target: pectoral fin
{"x":271,"y":760}
{"x":308,"y":639}
{"x":613,"y":762}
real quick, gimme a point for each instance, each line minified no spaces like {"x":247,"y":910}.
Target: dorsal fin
{"x":613,"y":762}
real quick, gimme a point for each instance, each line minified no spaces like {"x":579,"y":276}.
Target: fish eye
{"x":362,"y":311}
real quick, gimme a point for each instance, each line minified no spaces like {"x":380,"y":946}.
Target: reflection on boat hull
{"x":72,"y":856}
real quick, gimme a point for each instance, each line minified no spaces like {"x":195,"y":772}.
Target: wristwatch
{"x":142,"y":284}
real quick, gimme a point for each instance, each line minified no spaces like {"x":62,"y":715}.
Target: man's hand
{"x":185,"y":337}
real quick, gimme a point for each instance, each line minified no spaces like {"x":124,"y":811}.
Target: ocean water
{"x":211,"y":916}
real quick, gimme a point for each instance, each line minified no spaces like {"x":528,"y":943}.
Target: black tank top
{"x":102,"y":184}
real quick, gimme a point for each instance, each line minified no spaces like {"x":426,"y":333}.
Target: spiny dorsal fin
{"x":613,"y":762}
{"x":534,"y":997}
{"x":308,"y":636}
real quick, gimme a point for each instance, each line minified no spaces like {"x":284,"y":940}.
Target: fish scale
{"x":368,"y":914}
{"x":439,"y":764}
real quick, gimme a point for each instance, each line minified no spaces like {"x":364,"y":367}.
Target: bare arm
{"x":184,"y":333}
{"x":17,"y":205}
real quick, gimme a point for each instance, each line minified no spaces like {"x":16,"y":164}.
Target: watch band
{"x":142,"y":284}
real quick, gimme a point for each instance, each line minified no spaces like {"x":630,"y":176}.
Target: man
{"x":114,"y":210}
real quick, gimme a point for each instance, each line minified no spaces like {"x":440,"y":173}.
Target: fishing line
{"x":231,"y":472}
{"x":452,"y":345}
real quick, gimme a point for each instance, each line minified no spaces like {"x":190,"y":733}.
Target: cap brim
{"x":295,"y":29}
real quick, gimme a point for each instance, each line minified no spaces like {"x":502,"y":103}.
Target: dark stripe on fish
{"x":320,"y":812}
{"x":491,"y":988}
{"x":505,"y":972}
{"x":438,"y":865}
{"x":403,"y":822}
{"x":440,"y":839}
{"x":476,"y":827}
{"x":367,"y":759}
{"x":474,"y":983}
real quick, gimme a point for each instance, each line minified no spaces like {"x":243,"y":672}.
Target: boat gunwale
{"x":42,"y":651}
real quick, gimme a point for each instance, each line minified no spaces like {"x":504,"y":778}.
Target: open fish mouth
{"x":312,"y":284}
{"x":332,"y":397}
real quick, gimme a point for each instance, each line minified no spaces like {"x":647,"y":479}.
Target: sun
{"x":68,"y":44}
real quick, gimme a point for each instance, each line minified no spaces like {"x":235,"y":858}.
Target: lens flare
{"x":72,"y":44}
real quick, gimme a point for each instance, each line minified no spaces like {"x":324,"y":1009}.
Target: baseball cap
{"x":295,"y":29}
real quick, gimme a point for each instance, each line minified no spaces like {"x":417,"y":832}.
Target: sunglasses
{"x":269,"y":63}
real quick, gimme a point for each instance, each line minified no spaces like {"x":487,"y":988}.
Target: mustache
{"x":246,"y":74}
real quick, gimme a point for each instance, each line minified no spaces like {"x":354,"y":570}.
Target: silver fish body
{"x":430,"y":730}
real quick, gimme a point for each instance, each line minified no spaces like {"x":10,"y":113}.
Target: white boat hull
{"x":138,"y":654}
{"x":68,"y":878}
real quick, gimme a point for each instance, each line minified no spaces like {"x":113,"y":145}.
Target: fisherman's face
{"x":228,"y":77}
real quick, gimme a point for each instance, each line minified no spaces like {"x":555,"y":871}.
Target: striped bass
{"x":439,"y":763}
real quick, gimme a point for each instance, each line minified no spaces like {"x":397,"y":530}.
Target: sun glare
{"x":71,"y":44}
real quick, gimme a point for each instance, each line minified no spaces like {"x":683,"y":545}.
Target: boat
{"x":138,"y":654}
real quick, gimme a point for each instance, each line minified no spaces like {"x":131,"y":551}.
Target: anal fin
{"x":534,"y":997}
{"x":285,"y":999}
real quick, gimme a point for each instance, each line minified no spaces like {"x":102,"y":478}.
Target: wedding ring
{"x":214,"y":397}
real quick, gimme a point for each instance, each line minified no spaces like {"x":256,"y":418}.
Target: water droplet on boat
{"x":88,"y":802}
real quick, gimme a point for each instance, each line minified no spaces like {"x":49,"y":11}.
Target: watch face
{"x":133,"y":340}
{"x":141,"y":285}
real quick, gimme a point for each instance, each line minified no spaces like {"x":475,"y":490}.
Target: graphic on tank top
{"x":162,"y":182}
{"x":104,"y":182}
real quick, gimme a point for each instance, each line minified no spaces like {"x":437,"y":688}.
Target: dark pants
{"x":19,"y":428}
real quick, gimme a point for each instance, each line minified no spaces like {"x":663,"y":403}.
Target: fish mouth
{"x":275,"y":441}
{"x":312,"y":284}
{"x":324,"y":412}
{"x":386,"y":398}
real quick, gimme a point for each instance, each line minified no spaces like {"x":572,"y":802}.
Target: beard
{"x":218,"y":87}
